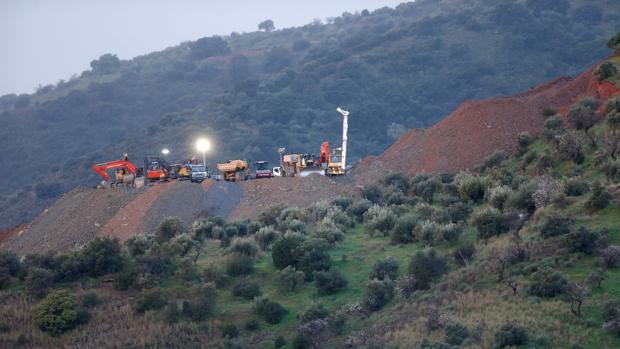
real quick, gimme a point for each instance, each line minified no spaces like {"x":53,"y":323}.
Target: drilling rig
{"x":337,"y":162}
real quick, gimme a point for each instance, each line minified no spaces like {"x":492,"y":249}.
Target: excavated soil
{"x":71,"y":221}
{"x":478,"y":128}
{"x":291,"y":192}
{"x":189,"y":201}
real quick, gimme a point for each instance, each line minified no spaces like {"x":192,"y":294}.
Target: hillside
{"x":478,"y":128}
{"x":255,"y":92}
{"x":521,"y":251}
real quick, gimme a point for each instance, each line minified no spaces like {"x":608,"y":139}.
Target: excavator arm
{"x":112,"y":165}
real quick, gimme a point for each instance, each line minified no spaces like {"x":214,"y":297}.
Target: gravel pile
{"x":72,"y":221}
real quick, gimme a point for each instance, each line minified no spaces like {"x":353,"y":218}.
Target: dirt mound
{"x":71,"y":221}
{"x":478,"y":128}
{"x":128,"y":220}
{"x":291,"y":192}
{"x":189,"y":201}
{"x":8,"y":233}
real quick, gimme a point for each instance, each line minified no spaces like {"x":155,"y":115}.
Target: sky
{"x":43,"y":41}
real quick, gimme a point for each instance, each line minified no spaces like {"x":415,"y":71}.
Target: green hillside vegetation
{"x":524,"y":251}
{"x":252,"y":93}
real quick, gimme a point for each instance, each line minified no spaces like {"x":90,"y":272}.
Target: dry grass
{"x":113,"y":324}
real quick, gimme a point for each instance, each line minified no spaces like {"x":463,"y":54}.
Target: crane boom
{"x":345,"y":131}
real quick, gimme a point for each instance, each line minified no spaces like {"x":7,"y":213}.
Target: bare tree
{"x":596,"y":277}
{"x":513,"y":283}
{"x":576,"y":295}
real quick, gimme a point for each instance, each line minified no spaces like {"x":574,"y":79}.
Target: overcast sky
{"x":43,"y":41}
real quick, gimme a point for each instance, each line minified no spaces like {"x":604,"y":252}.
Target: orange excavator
{"x":126,"y":173}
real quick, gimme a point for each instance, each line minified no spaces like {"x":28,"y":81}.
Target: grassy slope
{"x":355,"y":255}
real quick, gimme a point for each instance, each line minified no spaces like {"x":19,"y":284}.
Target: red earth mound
{"x":478,"y":128}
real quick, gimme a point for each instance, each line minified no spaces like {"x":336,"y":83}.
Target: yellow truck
{"x":234,"y":170}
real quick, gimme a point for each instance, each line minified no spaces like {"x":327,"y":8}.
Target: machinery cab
{"x":262,"y":169}
{"x":276,"y":171}
{"x":156,"y":169}
{"x":334,"y":166}
{"x":198,"y":173}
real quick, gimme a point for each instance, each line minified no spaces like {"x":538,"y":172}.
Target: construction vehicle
{"x":198,"y":173}
{"x":262,"y":170}
{"x":337,"y":161}
{"x":234,"y":170}
{"x":156,"y":168}
{"x":335,"y":166}
{"x":180,"y":172}
{"x":126,"y":173}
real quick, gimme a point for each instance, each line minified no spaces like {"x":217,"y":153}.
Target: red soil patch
{"x":128,"y":220}
{"x":6,"y":234}
{"x":478,"y":128}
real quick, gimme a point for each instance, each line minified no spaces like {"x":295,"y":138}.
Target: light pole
{"x":203,"y":145}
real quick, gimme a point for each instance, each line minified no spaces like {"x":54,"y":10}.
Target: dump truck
{"x":234,"y":170}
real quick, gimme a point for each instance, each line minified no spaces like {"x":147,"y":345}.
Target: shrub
{"x":270,"y":311}
{"x":102,"y":256}
{"x":58,"y":313}
{"x":426,"y":189}
{"x":313,"y":255}
{"x":406,"y":285}
{"x":569,"y":148}
{"x":270,"y":215}
{"x":385,"y":269}
{"x":314,"y":312}
{"x":90,"y":299}
{"x":229,"y":331}
{"x":239,"y":264}
{"x":554,"y":224}
{"x":524,"y":140}
{"x":511,"y":335}
{"x":397,"y":180}
{"x":464,"y":254}
{"x":373,"y":194}
{"x":522,"y":199}
{"x":450,"y":232}
{"x":494,"y":160}
{"x":605,"y":71}
{"x":548,"y":190}
{"x":576,"y":186}
{"x":455,"y":333}
{"x":288,"y":279}
{"x":583,"y":240}
{"x":327,"y":230}
{"x":378,"y":293}
{"x":610,"y":256}
{"x":426,"y":266}
{"x":244,"y":246}
{"x":599,"y":199}
{"x":168,"y":228}
{"x":10,"y":262}
{"x":489,"y":222}
{"x":403,"y":230}
{"x":595,"y":278}
{"x":252,"y":325}
{"x":330,"y":281}
{"x":458,"y":212}
{"x":547,"y":283}
{"x":611,"y":316}
{"x":497,"y":196}
{"x":554,"y":126}
{"x":246,"y":289}
{"x":5,"y":278}
{"x":201,"y":303}
{"x":358,"y":208}
{"x":343,"y":202}
{"x":284,"y":251}
{"x":214,"y":275}
{"x":582,"y":115}
{"x":265,"y":237}
{"x":150,"y":300}
{"x":379,"y":220}
{"x":38,"y":281}
{"x":471,"y":188}
{"x":279,"y":342}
